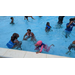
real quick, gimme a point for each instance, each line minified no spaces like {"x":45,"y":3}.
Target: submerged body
{"x":41,"y":45}
{"x":13,"y":43}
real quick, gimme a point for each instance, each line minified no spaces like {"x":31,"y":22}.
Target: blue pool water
{"x":56,"y":36}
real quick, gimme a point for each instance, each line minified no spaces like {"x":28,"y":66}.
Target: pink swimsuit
{"x":46,"y":48}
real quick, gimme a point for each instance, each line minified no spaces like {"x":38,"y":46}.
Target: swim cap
{"x":39,"y":43}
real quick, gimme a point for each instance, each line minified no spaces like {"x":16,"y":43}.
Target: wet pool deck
{"x":9,"y":53}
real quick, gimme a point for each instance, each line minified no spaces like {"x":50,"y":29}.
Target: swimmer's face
{"x":29,"y":31}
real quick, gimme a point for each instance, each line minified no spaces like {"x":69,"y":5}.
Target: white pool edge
{"x":10,"y":53}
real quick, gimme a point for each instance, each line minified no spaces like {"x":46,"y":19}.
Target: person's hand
{"x":52,"y":45}
{"x":37,"y":52}
{"x":71,"y":22}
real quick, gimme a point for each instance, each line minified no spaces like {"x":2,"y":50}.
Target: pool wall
{"x":10,"y":53}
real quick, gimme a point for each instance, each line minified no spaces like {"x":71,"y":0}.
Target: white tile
{"x":15,"y":53}
{"x":3,"y":51}
{"x":34,"y":55}
{"x":24,"y":54}
{"x":55,"y":56}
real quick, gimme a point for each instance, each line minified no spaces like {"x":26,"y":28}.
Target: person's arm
{"x":32,"y":35}
{"x":46,"y":29}
{"x":25,"y":35}
{"x":69,"y":24}
{"x":40,"y":49}
{"x":50,"y":27}
{"x":16,"y":41}
{"x":32,"y":17}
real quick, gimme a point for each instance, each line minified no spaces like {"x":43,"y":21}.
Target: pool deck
{"x":9,"y":53}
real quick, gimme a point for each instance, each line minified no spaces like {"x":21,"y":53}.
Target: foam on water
{"x":56,"y":36}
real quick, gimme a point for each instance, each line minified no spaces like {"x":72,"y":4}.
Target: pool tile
{"x":3,"y":51}
{"x":15,"y":53}
{"x":34,"y":55}
{"x":55,"y":56}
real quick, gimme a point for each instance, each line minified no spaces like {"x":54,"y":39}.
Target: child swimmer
{"x":42,"y":45}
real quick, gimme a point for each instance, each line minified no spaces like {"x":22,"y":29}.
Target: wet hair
{"x":14,"y":36}
{"x":47,"y":23}
{"x":71,"y":19}
{"x":29,"y":30}
{"x":11,"y":18}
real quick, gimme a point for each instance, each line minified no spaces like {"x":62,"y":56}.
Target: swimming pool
{"x":37,"y":26}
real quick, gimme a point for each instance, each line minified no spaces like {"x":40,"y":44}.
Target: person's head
{"x":48,"y":23}
{"x":13,"y":38}
{"x":28,"y":30}
{"x":15,"y":35}
{"x":11,"y":18}
{"x":71,"y":19}
{"x":38,"y":43}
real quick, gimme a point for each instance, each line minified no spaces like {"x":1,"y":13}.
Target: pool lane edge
{"x":10,"y":53}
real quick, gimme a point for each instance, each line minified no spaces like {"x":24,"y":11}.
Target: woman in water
{"x":26,"y":17}
{"x":14,"y":43}
{"x":29,"y":34}
{"x":42,"y":45}
{"x":48,"y":27}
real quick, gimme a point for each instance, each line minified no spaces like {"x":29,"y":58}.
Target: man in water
{"x":60,"y":19}
{"x":69,"y":27}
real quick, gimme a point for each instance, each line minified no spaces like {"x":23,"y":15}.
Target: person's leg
{"x":69,"y":48}
{"x":31,"y":17}
{"x":19,"y":45}
{"x":67,"y":33}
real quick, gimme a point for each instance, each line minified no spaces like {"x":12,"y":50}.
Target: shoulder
{"x":25,"y":33}
{"x":73,"y":42}
{"x":32,"y":33}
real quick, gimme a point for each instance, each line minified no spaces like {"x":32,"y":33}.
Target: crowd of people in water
{"x":14,"y":43}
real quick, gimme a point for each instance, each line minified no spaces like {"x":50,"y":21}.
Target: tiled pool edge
{"x":9,"y":53}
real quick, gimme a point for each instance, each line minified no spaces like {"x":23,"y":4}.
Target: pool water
{"x":55,"y":36}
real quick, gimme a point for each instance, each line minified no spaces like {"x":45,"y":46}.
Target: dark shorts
{"x":26,"y":16}
{"x":71,"y":47}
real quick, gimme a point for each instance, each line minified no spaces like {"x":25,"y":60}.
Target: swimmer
{"x":69,"y":27}
{"x":42,"y":45}
{"x":48,"y":27}
{"x":26,"y":17}
{"x":29,"y":34}
{"x":12,"y":20}
{"x":14,"y":43}
{"x":71,"y":46}
{"x":60,"y":19}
